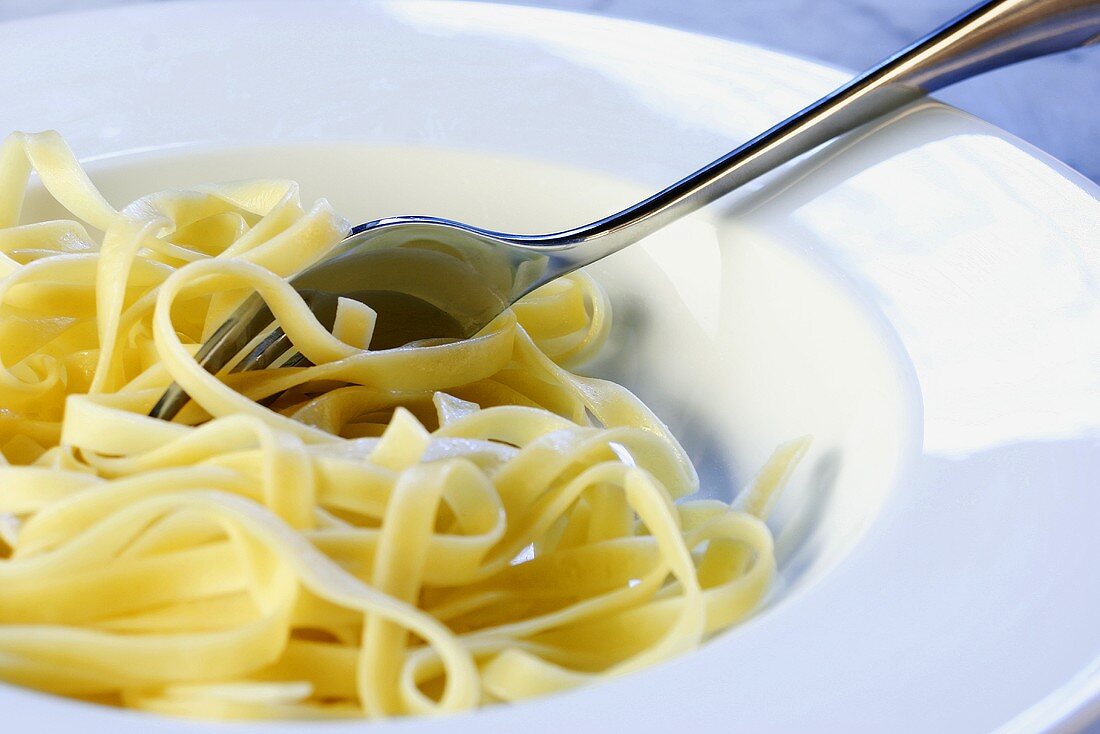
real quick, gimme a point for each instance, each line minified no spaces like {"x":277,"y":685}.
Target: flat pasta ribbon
{"x":419,"y":530}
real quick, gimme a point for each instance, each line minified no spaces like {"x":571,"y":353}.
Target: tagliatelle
{"x":415,"y":530}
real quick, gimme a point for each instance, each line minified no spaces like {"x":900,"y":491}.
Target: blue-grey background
{"x":1053,"y":103}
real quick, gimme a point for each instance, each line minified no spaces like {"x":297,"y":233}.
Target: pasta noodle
{"x":417,"y":530}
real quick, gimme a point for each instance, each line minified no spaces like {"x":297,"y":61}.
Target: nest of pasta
{"x":416,"y":530}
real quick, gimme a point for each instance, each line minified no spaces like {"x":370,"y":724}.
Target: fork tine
{"x":297,"y":359}
{"x":265,"y":353}
{"x":170,"y":403}
{"x":276,"y":349}
{"x":249,"y":320}
{"x":289,"y":358}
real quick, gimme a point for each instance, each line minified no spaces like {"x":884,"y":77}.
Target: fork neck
{"x":990,"y":35}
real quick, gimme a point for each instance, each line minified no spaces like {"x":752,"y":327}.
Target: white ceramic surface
{"x":930,"y":277}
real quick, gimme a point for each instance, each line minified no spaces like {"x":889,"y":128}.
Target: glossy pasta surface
{"x":417,"y":530}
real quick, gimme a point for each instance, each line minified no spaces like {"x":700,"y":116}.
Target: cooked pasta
{"x":417,"y":530}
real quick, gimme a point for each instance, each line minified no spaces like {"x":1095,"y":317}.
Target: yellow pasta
{"x":408,"y":531}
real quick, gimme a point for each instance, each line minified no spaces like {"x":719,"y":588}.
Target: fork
{"x":428,"y":277}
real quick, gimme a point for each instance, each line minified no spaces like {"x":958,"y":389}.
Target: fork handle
{"x":990,"y":35}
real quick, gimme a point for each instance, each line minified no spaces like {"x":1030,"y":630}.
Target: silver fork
{"x":429,"y":277}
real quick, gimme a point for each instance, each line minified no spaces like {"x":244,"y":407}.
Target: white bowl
{"x":921,"y":297}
